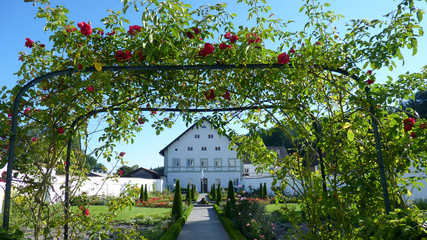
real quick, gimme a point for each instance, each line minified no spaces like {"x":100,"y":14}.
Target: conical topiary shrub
{"x":231,"y":202}
{"x":141,"y":193}
{"x":218,"y":195}
{"x":145,"y":193}
{"x":187,"y":195}
{"x":265,"y":195}
{"x":177,"y":210}
{"x":213,"y":192}
{"x":192,"y":192}
{"x":260,"y":191}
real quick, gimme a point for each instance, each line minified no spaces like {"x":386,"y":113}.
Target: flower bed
{"x":155,"y":202}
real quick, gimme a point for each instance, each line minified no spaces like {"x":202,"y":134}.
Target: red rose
{"x":122,"y":154}
{"x":34,"y":139}
{"x":234,"y":38}
{"x":209,"y":49}
{"x":80,"y":66}
{"x":423,"y":126}
{"x":111,"y":33}
{"x":202,"y":53}
{"x":134,"y":29}
{"x":210,"y":95}
{"x":121,"y":172}
{"x":70,"y":29}
{"x":60,"y":130}
{"x":370,"y":81}
{"x":226,"y":95}
{"x":318,"y":43}
{"x":369,"y":72}
{"x":27,"y":110}
{"x":85,"y":28}
{"x":227,"y":35}
{"x":291,"y":51}
{"x":141,"y":120}
{"x":42,"y":45}
{"x":283,"y":58}
{"x":408,"y":124}
{"x":87,"y":212}
{"x":253,"y":38}
{"x":153,"y":112}
{"x":120,"y":55}
{"x":190,"y":34}
{"x":413,"y":135}
{"x":3,"y":176}
{"x":90,"y":89}
{"x":29,"y":43}
{"x":223,"y":46}
{"x":101,"y":32}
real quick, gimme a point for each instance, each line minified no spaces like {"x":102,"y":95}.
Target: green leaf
{"x":350,"y":135}
{"x":420,"y":15}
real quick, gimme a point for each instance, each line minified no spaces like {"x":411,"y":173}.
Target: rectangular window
{"x":217,"y":181}
{"x":210,"y":136}
{"x":218,"y":162}
{"x":235,"y":181}
{"x":175,"y":162}
{"x":190,"y":162}
{"x":197,"y":136}
{"x":246,"y":170}
{"x":190,"y":148}
{"x":232,"y":162}
{"x":217,"y":148}
{"x":204,"y":148}
{"x":204,"y":162}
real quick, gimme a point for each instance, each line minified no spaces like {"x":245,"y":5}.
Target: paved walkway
{"x":203,"y":223}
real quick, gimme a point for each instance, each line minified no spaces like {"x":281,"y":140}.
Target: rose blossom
{"x":210,"y":95}
{"x":134,"y":29}
{"x":60,"y":130}
{"x":234,"y":39}
{"x":223,"y":46}
{"x":227,"y":35}
{"x":226,"y":95}
{"x":85,"y":28}
{"x":283,"y":58}
{"x":122,"y":154}
{"x":90,"y":89}
{"x":190,"y":34}
{"x":29,"y":43}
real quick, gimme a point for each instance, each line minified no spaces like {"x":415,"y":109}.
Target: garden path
{"x":203,"y":223}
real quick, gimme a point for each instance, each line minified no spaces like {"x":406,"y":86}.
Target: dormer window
{"x":190,"y":148}
{"x":210,"y":136}
{"x":197,"y":136}
{"x":204,"y":148}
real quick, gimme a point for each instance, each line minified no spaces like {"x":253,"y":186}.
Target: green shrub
{"x":175,"y":229}
{"x":187,"y":196}
{"x":260,"y":191}
{"x":231,"y":201}
{"x":232,"y":232}
{"x":421,"y":203}
{"x":177,"y":211}
{"x":264,"y":192}
{"x":218,"y":195}
{"x":145,"y":193}
{"x":141,"y":193}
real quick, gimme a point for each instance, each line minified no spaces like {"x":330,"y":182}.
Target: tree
{"x":213,"y":192}
{"x":218,"y":195}
{"x":260,"y":191}
{"x":146,"y":193}
{"x":141,"y":193}
{"x":231,"y":201}
{"x":192,"y":192}
{"x":419,"y":104}
{"x":160,"y":170}
{"x":187,"y":195}
{"x":177,"y":210}
{"x":264,"y":191}
{"x":276,"y":137}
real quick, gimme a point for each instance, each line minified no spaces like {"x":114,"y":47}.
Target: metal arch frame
{"x":12,"y":140}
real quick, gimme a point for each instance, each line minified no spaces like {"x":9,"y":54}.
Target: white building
{"x":202,"y":157}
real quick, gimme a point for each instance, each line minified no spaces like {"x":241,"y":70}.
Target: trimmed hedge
{"x":175,"y":229}
{"x":233,"y":232}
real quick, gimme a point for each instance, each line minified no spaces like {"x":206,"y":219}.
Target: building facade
{"x":202,"y":157}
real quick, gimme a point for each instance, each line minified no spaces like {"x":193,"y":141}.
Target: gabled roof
{"x":146,"y":170}
{"x":162,"y":152}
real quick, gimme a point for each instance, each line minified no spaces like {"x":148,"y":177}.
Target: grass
{"x":126,"y":214}
{"x":278,"y":215}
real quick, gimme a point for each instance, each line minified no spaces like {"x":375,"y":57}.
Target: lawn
{"x":278,"y":215}
{"x":128,"y":214}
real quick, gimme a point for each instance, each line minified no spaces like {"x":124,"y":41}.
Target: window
{"x":204,"y":162}
{"x":190,"y":162}
{"x":197,"y":136}
{"x":190,"y":181}
{"x":218,"y":162}
{"x":210,"y":136}
{"x":217,"y":148}
{"x":175,"y":162}
{"x":217,"y":181}
{"x":174,"y":180}
{"x":204,"y":148}
{"x":190,"y":148}
{"x":246,"y":170}
{"x":235,"y":181}
{"x":232,"y":162}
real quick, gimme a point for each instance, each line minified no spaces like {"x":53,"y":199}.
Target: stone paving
{"x":203,"y":223}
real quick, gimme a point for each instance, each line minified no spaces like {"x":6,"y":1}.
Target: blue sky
{"x":17,"y":23}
